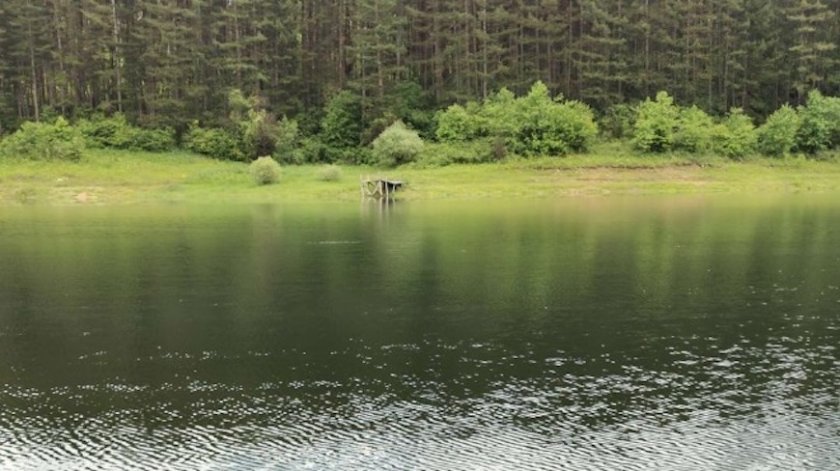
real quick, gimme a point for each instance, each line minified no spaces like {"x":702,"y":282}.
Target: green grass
{"x":122,"y":177}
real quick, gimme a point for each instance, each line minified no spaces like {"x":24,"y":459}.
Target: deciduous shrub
{"x":618,"y":121}
{"x":288,"y":141}
{"x":115,"y":132}
{"x":777,"y":136}
{"x":546,"y":126}
{"x":534,"y":124}
{"x":457,"y":123}
{"x":259,"y":134}
{"x":217,"y":143}
{"x":695,"y":130}
{"x":440,"y":154}
{"x":656,"y":124}
{"x":42,"y":141}
{"x":342,"y":124}
{"x":397,"y":145}
{"x":736,"y":136}
{"x":820,"y":124}
{"x":265,"y":171}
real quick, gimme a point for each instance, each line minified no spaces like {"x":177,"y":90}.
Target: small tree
{"x":820,"y":125}
{"x":342,"y":124}
{"x":695,"y":130}
{"x":736,"y":135}
{"x":397,"y":145}
{"x":656,"y":124}
{"x":457,"y":123}
{"x":777,"y":136}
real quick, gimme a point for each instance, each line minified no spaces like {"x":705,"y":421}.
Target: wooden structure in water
{"x":380,"y":188}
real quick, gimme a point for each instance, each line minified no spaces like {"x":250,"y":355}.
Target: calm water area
{"x":649,"y":333}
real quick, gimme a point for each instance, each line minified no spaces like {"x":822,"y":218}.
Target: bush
{"x":695,"y":131}
{"x":472,"y":152}
{"x":656,"y":123}
{"x":115,"y":132}
{"x":736,"y":136}
{"x":329,"y":173}
{"x":618,"y":121}
{"x":820,"y":124}
{"x":777,"y":136}
{"x":217,"y":143}
{"x":259,"y":134}
{"x":534,"y":124}
{"x":342,"y":124}
{"x":265,"y":171}
{"x":287,"y":143}
{"x":41,"y":141}
{"x":457,"y":123}
{"x":397,"y":145}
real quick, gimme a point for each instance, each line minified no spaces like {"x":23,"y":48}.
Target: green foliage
{"x":411,"y":104}
{"x":259,"y":134}
{"x":265,"y":171}
{"x":115,"y":132}
{"x":287,"y":141}
{"x":397,"y":145}
{"x":42,"y":141}
{"x":736,"y":136}
{"x":534,"y":124}
{"x":695,"y":130}
{"x":329,"y":173}
{"x":656,"y":123}
{"x":820,"y":125}
{"x":501,"y":114}
{"x":618,"y":121}
{"x":440,"y":154}
{"x":778,"y":135}
{"x":217,"y":143}
{"x":342,"y":124}
{"x":457,"y":123}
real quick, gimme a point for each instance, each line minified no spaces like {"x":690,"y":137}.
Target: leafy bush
{"x":287,"y":142}
{"x":329,"y":173}
{"x":41,"y":141}
{"x":695,"y":130}
{"x":265,"y":171}
{"x":409,"y":102}
{"x":501,"y":114}
{"x":152,"y":140}
{"x":457,"y":123}
{"x":397,"y":145}
{"x":115,"y":132}
{"x":342,"y":124}
{"x":656,"y":123}
{"x":820,"y":124}
{"x":217,"y":143}
{"x":777,"y":136}
{"x":472,"y":152}
{"x":534,"y":124}
{"x":259,"y":134}
{"x":618,"y":121}
{"x":736,"y":136}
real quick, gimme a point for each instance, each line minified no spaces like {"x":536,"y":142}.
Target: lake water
{"x":679,"y":333}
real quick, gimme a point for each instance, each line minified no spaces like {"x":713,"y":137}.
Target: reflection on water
{"x":642,"y":334}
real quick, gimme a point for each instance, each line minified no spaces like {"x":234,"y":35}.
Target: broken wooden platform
{"x":381,"y":188}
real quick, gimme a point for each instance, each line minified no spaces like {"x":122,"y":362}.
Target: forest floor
{"x":121,"y":177}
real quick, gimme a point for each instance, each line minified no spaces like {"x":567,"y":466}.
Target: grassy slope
{"x":130,"y":177}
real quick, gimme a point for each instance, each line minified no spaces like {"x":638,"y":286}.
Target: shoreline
{"x":122,"y":177}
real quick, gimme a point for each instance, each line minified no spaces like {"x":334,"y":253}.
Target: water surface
{"x":649,"y":333}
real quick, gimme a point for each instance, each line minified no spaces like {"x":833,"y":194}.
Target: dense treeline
{"x":167,"y":63}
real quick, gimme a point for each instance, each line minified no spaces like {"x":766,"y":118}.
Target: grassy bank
{"x":120,"y":177}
